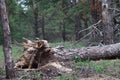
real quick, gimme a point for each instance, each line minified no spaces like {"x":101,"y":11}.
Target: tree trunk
{"x":63,"y":22}
{"x":63,"y":31}
{"x":92,"y":53}
{"x":93,"y":11}
{"x":78,"y":27}
{"x":7,"y":42}
{"x":36,"y":23}
{"x":77,"y":24}
{"x":107,"y":22}
{"x":95,"y":6}
{"x":94,"y":18}
{"x":43,"y":26}
{"x":85,"y":19}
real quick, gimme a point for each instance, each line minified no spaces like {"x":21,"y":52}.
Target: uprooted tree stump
{"x":36,"y":53}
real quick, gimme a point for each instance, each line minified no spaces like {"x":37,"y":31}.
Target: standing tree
{"x":34,"y":7}
{"x":63,"y":5}
{"x":95,"y":6}
{"x":78,"y":25}
{"x":43,"y":26}
{"x":33,"y":4}
{"x":107,"y":22}
{"x":7,"y":42}
{"x":42,"y":22}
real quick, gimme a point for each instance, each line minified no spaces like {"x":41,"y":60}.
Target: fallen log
{"x":38,"y":53}
{"x":111,"y":51}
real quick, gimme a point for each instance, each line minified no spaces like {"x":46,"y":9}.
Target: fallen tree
{"x":111,"y":51}
{"x":38,"y":53}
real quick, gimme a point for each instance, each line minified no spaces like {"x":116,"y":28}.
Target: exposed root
{"x":36,"y":53}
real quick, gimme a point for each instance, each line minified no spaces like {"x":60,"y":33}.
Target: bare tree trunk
{"x":43,"y":26}
{"x":63,"y":31}
{"x":85,"y":19}
{"x":10,"y":73}
{"x":34,"y":7}
{"x":63,"y":22}
{"x":93,"y":11}
{"x":78,"y":27}
{"x":36,"y":23}
{"x":96,"y":16}
{"x":107,"y":22}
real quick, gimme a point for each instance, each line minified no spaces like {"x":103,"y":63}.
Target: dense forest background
{"x":90,"y":22}
{"x":63,"y":20}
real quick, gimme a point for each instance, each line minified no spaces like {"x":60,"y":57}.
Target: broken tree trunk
{"x":92,"y":53}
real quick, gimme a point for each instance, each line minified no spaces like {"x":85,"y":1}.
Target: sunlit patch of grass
{"x":98,"y":68}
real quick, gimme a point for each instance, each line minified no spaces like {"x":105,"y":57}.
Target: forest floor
{"x":82,"y":70}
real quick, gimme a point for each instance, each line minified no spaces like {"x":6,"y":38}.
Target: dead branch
{"x":17,"y":43}
{"x":82,"y":38}
{"x":90,"y":26}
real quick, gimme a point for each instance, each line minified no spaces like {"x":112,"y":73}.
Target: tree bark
{"x":78,"y":27}
{"x":107,"y":22}
{"x":36,"y":23}
{"x":34,"y":7}
{"x":95,"y":6}
{"x":85,"y":19}
{"x":43,"y":26}
{"x":10,"y":73}
{"x":63,"y":30}
{"x":93,"y":11}
{"x":92,"y":53}
{"x":94,"y":18}
{"x":63,"y":22}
